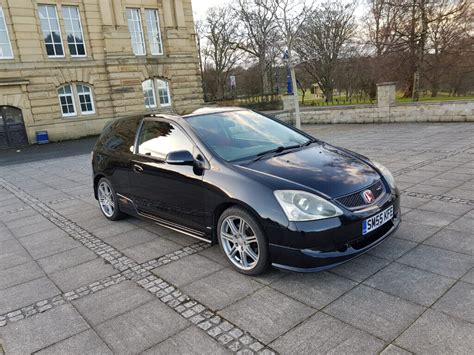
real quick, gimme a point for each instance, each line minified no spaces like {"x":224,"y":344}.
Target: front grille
{"x":356,"y":200}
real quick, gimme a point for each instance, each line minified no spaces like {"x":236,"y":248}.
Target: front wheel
{"x":243,"y":242}
{"x":108,"y":202}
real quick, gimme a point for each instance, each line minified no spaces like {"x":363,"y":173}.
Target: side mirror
{"x":180,"y":157}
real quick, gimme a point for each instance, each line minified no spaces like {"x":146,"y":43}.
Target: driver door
{"x":171,"y":192}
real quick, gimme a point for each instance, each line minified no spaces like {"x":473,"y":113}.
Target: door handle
{"x":137,"y":168}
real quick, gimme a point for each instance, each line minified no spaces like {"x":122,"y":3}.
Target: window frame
{"x":152,"y":81}
{"x":49,"y":24}
{"x":91,"y":98}
{"x":168,"y":92}
{"x":150,"y":34}
{"x":66,"y":95}
{"x":4,"y":23}
{"x":142,"y":35}
{"x":76,"y":102}
{"x":77,"y":8}
{"x":152,"y":119}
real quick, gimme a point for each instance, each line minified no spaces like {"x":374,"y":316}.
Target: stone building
{"x":70,"y":66}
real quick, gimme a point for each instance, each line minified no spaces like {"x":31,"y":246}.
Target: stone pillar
{"x":386,"y":94}
{"x":385,"y":100}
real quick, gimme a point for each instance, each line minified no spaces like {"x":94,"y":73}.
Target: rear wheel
{"x":243,"y":242}
{"x":108,"y":202}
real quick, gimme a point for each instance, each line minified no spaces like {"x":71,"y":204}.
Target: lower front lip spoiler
{"x":346,"y":255}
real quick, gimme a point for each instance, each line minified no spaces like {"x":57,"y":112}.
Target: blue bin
{"x":42,"y":137}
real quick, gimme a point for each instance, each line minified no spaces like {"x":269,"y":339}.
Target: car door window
{"x":158,"y":138}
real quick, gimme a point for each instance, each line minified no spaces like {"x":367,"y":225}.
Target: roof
{"x":211,"y":110}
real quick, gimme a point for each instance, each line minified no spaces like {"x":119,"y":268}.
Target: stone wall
{"x":30,"y":80}
{"x":386,"y":110}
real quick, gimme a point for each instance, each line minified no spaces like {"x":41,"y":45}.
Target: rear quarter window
{"x":120,"y":135}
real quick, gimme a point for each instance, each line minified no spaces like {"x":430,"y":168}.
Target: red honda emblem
{"x":368,"y":196}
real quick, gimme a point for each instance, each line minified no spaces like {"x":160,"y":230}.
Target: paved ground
{"x":73,"y":282}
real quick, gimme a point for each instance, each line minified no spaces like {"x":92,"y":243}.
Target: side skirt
{"x":164,"y":223}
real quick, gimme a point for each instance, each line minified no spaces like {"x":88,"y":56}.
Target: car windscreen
{"x":241,"y":135}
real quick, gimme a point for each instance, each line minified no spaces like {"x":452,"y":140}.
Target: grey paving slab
{"x":374,"y":311}
{"x":26,"y":293}
{"x":221,"y":288}
{"x":323,"y":334}
{"x":314,"y":289}
{"x":87,"y":342}
{"x":360,"y":268}
{"x":430,"y":218}
{"x":66,"y":259}
{"x":469,"y":276}
{"x":394,"y":350}
{"x":445,"y":207}
{"x":131,"y":238}
{"x":463,"y":224}
{"x":437,"y":333}
{"x":151,"y":250}
{"x":458,"y":301}
{"x":187,"y":270}
{"x":215,"y":254}
{"x":12,"y":254}
{"x":32,"y":228}
{"x":415,"y":232}
{"x":411,"y":284}
{"x":267,"y":314}
{"x":48,"y":245}
{"x":19,"y":274}
{"x":42,"y":330}
{"x":392,"y":248}
{"x":439,"y":261}
{"x":141,"y":328}
{"x":112,"y":301}
{"x":82,"y":274}
{"x":191,"y":341}
{"x":119,"y":228}
{"x":453,"y":240}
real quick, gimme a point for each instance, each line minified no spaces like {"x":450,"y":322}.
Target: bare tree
{"x":221,"y":37}
{"x":259,"y":35}
{"x":323,"y":39}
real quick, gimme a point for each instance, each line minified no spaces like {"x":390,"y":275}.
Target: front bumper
{"x":320,"y":256}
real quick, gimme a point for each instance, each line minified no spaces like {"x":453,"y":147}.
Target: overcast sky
{"x":200,"y":7}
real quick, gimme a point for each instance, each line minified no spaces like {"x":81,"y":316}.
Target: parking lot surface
{"x":73,"y":282}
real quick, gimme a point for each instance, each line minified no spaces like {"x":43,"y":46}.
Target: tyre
{"x":243,"y":241}
{"x":108,"y":201}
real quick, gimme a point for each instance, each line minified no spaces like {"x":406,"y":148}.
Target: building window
{"x":149,"y":93}
{"x":72,"y":94}
{"x":5,"y":45}
{"x":153,"y":30}
{"x":66,"y":100}
{"x":153,"y":88}
{"x":163,"y":92}
{"x":73,"y":26}
{"x":51,"y":32}
{"x":85,"y":99}
{"x":136,"y":31}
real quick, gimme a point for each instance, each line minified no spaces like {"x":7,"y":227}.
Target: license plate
{"x":376,"y":221}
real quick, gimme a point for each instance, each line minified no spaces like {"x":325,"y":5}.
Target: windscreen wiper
{"x":278,"y":149}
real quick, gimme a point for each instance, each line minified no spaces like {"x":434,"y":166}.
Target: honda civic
{"x":266,"y":192}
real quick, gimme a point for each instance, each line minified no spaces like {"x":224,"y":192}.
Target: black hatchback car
{"x":265,"y":191}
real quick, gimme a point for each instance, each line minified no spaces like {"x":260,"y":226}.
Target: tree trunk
{"x":262,"y":62}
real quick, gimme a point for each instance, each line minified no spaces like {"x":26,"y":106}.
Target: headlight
{"x":303,"y":206}
{"x":386,"y":174}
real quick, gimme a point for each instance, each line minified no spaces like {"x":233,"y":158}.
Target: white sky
{"x":200,"y":7}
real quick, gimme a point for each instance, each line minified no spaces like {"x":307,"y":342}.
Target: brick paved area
{"x":73,"y":282}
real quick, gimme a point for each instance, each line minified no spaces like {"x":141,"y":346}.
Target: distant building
{"x":69,"y":66}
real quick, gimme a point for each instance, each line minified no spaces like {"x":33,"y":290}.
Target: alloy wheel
{"x":106,"y":199}
{"x":239,"y":242}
